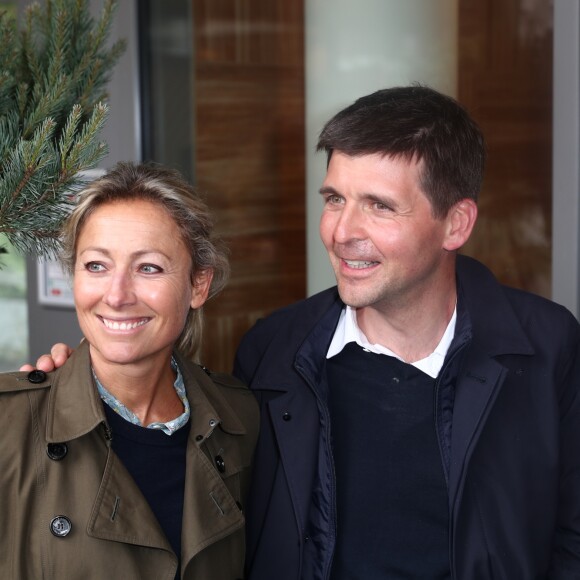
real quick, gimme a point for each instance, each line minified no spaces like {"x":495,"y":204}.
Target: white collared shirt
{"x":348,"y":330}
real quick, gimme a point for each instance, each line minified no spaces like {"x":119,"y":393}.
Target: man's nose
{"x":350,"y":225}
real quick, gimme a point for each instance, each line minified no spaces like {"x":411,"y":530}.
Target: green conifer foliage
{"x":54,"y":72}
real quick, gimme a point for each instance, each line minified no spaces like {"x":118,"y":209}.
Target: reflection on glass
{"x":166,"y":53}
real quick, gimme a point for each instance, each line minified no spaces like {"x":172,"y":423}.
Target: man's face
{"x":384,"y":244}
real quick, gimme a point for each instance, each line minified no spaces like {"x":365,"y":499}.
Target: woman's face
{"x":132,"y":283}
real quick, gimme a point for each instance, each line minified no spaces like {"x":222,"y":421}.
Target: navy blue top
{"x":156,"y":461}
{"x":392,"y":506}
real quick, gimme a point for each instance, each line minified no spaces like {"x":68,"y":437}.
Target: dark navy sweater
{"x":392,"y":506}
{"x":156,"y":461}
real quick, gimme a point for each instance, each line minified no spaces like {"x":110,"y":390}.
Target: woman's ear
{"x":460,"y":221}
{"x":200,"y":288}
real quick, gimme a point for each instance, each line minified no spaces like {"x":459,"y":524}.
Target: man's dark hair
{"x":415,"y":123}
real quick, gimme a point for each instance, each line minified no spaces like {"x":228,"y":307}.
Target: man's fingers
{"x":59,"y":354}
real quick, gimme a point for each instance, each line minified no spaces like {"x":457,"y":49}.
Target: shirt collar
{"x":168,"y":427}
{"x":348,"y":330}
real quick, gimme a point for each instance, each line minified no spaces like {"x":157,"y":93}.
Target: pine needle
{"x":52,"y":109}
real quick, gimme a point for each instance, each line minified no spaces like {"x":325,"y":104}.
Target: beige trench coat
{"x":113,"y":533}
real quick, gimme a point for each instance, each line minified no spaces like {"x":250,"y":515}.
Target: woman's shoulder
{"x":226,"y":393}
{"x":23,"y":381}
{"x":232,"y":389}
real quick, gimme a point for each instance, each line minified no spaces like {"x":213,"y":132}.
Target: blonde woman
{"x":130,"y":461}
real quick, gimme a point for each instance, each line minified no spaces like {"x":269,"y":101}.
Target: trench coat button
{"x":220,"y":463}
{"x":60,"y":526}
{"x":57,"y":451}
{"x":286,"y":416}
{"x":35,"y":377}
{"x":198,"y":437}
{"x":212,"y":422}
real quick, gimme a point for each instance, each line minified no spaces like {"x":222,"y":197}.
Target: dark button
{"x":395,"y":380}
{"x":36,"y":377}
{"x":57,"y":451}
{"x":60,"y":526}
{"x":107,"y":431}
{"x":220,"y":463}
{"x":198,"y":437}
{"x":286,"y":416}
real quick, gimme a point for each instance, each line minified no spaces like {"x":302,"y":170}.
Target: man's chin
{"x":352,"y":298}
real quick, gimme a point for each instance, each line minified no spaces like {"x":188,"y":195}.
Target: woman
{"x":130,"y":461}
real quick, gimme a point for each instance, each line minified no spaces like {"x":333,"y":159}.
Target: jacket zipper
{"x":326,"y":415}
{"x":447,"y":364}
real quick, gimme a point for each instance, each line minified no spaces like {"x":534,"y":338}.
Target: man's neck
{"x":411,"y":333}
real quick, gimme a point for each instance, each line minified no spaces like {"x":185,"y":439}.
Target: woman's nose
{"x":120,"y":290}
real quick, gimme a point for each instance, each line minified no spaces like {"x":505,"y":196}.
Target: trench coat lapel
{"x":74,"y":407}
{"x":121,"y":513}
{"x":210,"y":512}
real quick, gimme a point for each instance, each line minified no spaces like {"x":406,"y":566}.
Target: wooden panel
{"x":505,"y":80}
{"x":249,"y":143}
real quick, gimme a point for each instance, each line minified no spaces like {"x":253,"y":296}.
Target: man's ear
{"x":460,"y":221}
{"x":200,"y":288}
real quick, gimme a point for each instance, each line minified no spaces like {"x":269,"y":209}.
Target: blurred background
{"x":234,"y":92}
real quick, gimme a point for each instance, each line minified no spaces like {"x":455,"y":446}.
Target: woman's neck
{"x":145,"y":389}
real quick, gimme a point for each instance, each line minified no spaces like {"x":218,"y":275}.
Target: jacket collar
{"x":75,"y":407}
{"x":208,"y":405}
{"x":485,"y":316}
{"x":494,"y":325}
{"x":303,"y":332}
{"x":311,"y":357}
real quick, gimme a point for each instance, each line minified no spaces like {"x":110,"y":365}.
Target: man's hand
{"x":59,"y":353}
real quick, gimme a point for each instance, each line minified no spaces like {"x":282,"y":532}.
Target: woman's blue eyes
{"x":94,"y":267}
{"x":145,"y":268}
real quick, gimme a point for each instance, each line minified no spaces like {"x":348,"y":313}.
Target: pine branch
{"x":52,"y":110}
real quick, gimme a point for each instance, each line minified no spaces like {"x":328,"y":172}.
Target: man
{"x":418,"y":420}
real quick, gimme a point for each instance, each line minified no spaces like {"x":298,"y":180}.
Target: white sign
{"x":54,"y":286}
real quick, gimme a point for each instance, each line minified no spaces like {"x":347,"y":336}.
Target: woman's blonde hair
{"x":167,"y":188}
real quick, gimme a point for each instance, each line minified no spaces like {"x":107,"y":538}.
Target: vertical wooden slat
{"x":249,"y":100}
{"x":505,"y":80}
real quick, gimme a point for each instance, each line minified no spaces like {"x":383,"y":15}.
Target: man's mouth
{"x":359,"y":264}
